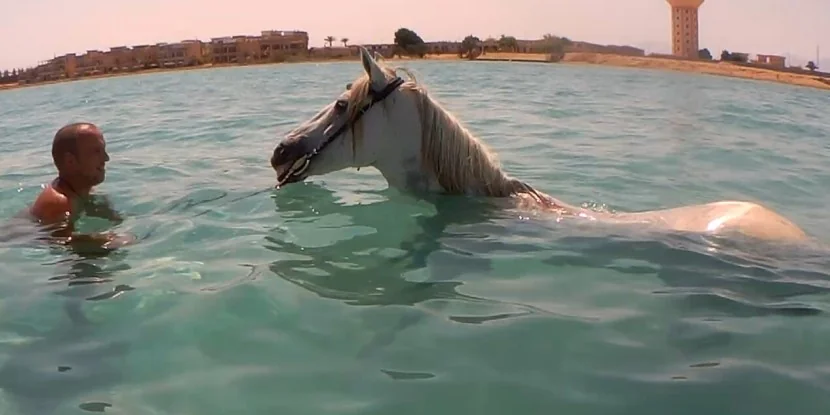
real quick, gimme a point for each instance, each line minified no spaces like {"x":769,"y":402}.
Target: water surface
{"x":340,"y":296}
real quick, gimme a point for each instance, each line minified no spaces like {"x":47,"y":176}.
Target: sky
{"x":37,"y":30}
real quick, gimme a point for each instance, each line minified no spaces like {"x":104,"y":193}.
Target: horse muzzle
{"x":290,"y":163}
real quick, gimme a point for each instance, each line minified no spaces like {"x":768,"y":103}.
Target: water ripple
{"x":342,"y":296}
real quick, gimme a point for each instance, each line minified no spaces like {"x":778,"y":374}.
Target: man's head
{"x":80,"y":154}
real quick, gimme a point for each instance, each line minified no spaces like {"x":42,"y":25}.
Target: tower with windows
{"x":684,"y":25}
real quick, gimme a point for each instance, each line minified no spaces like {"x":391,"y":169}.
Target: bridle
{"x":375,"y":98}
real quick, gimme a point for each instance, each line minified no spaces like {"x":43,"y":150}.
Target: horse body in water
{"x":420,"y":148}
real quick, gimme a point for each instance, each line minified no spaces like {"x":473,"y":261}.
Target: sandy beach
{"x":706,"y":67}
{"x":717,"y":68}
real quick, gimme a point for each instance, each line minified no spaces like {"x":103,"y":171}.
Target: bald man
{"x":80,"y":156}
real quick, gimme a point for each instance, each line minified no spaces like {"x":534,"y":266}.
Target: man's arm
{"x":54,"y":210}
{"x":100,"y":206}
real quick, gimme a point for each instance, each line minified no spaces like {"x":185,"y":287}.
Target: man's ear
{"x":69,"y":159}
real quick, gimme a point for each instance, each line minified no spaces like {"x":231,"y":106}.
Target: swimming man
{"x":80,"y":156}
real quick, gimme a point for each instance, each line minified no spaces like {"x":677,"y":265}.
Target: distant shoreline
{"x":717,"y":68}
{"x":4,"y":87}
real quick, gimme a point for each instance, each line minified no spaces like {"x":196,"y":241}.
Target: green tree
{"x":345,"y":41}
{"x":329,"y":40}
{"x":408,"y":42}
{"x":727,"y":56}
{"x":811,"y":66}
{"x":469,"y":46}
{"x":508,"y":43}
{"x":704,"y":54}
{"x":555,"y":46}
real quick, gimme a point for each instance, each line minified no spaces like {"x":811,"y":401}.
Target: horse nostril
{"x":276,"y":156}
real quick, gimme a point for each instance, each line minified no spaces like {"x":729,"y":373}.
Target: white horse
{"x":397,"y":128}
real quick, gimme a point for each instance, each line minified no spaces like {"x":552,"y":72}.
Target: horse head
{"x":395,"y":126}
{"x":373,"y":122}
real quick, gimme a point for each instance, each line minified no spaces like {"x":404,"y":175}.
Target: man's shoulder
{"x":51,"y":206}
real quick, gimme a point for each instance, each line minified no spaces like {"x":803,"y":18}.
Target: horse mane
{"x":461,"y":162}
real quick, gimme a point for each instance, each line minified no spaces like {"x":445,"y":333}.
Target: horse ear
{"x":372,"y":69}
{"x":378,"y":56}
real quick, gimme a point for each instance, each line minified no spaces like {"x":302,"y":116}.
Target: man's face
{"x":89,"y":163}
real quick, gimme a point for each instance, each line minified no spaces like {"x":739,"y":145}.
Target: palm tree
{"x":329,"y":40}
{"x":345,"y":41}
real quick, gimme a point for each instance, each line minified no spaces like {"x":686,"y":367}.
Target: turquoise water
{"x":342,"y":297}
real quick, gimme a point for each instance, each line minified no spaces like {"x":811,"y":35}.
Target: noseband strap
{"x":376,"y":97}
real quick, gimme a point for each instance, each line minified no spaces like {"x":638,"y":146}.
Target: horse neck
{"x":460,"y":162}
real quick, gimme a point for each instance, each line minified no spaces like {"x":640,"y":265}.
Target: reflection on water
{"x":716,"y":275}
{"x":57,"y":366}
{"x":425,"y":263}
{"x":440,"y":255}
{"x":710,"y":277}
{"x":454,"y":240}
{"x":440,"y":259}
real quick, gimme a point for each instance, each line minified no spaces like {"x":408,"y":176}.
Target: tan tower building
{"x":684,"y":27}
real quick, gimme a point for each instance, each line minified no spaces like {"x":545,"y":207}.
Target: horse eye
{"x":349,"y":86}
{"x":341,"y":105}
